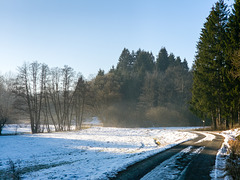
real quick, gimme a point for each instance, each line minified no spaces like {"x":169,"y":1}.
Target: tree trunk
{"x":214,"y":122}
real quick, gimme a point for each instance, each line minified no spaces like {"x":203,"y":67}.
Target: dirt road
{"x":194,"y":159}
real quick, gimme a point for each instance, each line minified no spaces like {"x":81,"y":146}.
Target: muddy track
{"x":189,"y":166}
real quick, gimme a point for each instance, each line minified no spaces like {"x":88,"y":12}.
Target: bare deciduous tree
{"x":30,"y":86}
{"x":52,"y":96}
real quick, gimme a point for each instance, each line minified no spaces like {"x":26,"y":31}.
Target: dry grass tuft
{"x":157,"y":142}
{"x":233,"y":163}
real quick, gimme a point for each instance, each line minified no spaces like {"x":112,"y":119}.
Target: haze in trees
{"x":139,"y":92}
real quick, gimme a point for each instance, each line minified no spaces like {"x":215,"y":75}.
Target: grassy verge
{"x":233,"y":163}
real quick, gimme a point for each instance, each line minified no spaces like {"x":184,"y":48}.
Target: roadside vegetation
{"x":233,"y":162}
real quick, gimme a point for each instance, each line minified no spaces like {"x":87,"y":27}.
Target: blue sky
{"x":90,"y":34}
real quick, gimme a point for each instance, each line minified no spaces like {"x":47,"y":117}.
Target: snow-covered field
{"x":95,"y":153}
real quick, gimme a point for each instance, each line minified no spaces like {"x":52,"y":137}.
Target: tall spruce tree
{"x":162,"y":60}
{"x":125,"y":62}
{"x":234,"y":65}
{"x":171,"y":59}
{"x":144,"y":62}
{"x":234,"y":26}
{"x":209,"y":66}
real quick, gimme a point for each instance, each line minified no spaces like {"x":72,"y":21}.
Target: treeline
{"x":216,"y":87}
{"x":139,"y":92}
{"x":142,"y":91}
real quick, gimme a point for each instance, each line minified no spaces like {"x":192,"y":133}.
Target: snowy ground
{"x":222,"y":155}
{"x":16,"y":128}
{"x":95,"y":153}
{"x":175,"y":167}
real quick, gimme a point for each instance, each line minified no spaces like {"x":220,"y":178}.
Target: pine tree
{"x":234,"y":26}
{"x":144,"y":62}
{"x":177,"y":62}
{"x":162,"y":60}
{"x":125,"y":62}
{"x":234,"y":65}
{"x":209,"y":68}
{"x":171,"y":59}
{"x":185,"y":65}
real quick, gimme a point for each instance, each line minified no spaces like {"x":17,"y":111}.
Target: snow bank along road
{"x":101,"y":153}
{"x":193,"y":159}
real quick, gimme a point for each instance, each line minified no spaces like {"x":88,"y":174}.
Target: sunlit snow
{"x":208,"y":137}
{"x":219,"y":172}
{"x":95,"y":153}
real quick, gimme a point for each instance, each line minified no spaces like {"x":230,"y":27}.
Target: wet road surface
{"x":194,"y":159}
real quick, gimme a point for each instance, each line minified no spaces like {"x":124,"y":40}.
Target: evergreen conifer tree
{"x":162,"y":60}
{"x":233,"y":63}
{"x":209,"y":68}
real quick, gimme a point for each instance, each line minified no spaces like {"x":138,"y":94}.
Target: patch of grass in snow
{"x":14,"y":171}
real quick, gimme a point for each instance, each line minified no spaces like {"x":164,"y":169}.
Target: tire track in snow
{"x":190,"y":160}
{"x":173,"y":167}
{"x":208,"y":137}
{"x":140,"y":169}
{"x":202,"y":166}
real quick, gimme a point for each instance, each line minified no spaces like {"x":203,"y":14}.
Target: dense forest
{"x":216,"y":70}
{"x":141,"y":90}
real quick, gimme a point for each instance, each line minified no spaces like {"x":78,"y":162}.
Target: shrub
{"x":233,"y":163}
{"x":238,"y":138}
